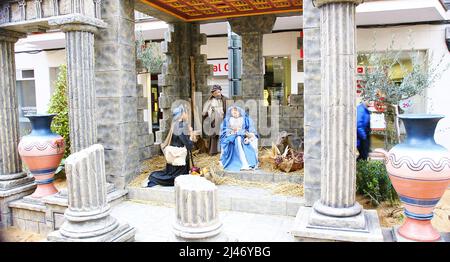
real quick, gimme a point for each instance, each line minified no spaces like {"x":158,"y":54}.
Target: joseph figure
{"x":213,"y":114}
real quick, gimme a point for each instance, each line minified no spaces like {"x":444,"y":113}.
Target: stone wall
{"x":291,"y":119}
{"x":312,"y":92}
{"x":116,"y":92}
{"x":182,"y":41}
{"x":145,"y":138}
{"x":252,"y":30}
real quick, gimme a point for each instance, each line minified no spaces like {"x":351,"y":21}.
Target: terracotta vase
{"x":419,"y":170}
{"x":42,"y":151}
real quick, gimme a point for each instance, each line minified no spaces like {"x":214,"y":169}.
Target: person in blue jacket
{"x":363,"y":130}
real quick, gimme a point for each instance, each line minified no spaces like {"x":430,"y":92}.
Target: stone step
{"x":230,"y":198}
{"x":43,"y":215}
{"x":262,"y":176}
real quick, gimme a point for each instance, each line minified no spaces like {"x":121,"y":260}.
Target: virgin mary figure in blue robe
{"x":238,"y":141}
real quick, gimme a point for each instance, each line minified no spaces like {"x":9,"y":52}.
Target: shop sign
{"x":220,"y":67}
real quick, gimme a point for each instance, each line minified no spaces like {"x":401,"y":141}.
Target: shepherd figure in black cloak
{"x":177,"y":150}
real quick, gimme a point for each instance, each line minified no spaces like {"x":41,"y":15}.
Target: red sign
{"x":220,"y":67}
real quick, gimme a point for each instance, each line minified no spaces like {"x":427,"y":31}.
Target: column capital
{"x":77,"y":22}
{"x":10,"y":36}
{"x":319,"y":3}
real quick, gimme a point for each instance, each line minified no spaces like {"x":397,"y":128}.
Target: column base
{"x":193,"y":233}
{"x":10,"y":194}
{"x":221,"y":237}
{"x":354,"y":223}
{"x":10,"y":182}
{"x":337,"y":212}
{"x":311,"y":225}
{"x":123,"y":233}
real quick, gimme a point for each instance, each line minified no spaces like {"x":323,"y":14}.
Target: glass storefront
{"x":416,"y":104}
{"x":26,"y":98}
{"x":277,"y":80}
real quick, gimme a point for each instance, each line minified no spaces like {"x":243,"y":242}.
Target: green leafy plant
{"x":381,"y":85}
{"x":373,"y":182}
{"x":59,"y":106}
{"x":149,"y":54}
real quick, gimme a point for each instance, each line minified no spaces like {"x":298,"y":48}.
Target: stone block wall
{"x":30,"y":221}
{"x":313,"y":98}
{"x":145,"y":138}
{"x":116,"y":95}
{"x":291,"y":119}
{"x":252,"y":30}
{"x":27,"y":10}
{"x":181,"y":41}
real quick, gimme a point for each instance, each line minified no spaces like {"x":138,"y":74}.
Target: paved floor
{"x":154,"y":224}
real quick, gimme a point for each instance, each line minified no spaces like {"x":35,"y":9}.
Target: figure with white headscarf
{"x":178,"y":140}
{"x":238,"y":141}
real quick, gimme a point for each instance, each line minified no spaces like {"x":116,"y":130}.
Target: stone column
{"x":181,"y":41}
{"x":88,"y":215}
{"x":196,"y":210}
{"x":252,"y":29}
{"x":116,"y":94}
{"x":14,"y":183}
{"x":337,"y":215}
{"x":79,"y":31}
{"x":312,"y":102}
{"x":338,"y":161}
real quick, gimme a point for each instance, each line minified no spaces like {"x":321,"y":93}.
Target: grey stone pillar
{"x":312,"y":102}
{"x":252,"y":29}
{"x":79,"y":31}
{"x":116,"y":96}
{"x":88,"y":215}
{"x":181,"y":41}
{"x":14,"y":183}
{"x":337,"y":215}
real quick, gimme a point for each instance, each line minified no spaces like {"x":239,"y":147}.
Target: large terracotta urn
{"x":42,"y":151}
{"x":419,"y":170}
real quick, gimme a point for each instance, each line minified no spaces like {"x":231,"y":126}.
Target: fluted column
{"x":337,"y":216}
{"x":13,"y":182}
{"x":196,"y":209}
{"x":86,"y":186}
{"x":338,"y":161}
{"x":81,"y":77}
{"x":10,"y":162}
{"x":79,"y":31}
{"x":88,"y":215}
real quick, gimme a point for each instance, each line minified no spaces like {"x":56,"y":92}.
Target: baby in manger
{"x":239,"y":141}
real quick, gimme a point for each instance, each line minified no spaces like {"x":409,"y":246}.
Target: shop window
{"x":415,"y":104}
{"x":277,"y":80}
{"x":26,"y":97}
{"x":53,"y":73}
{"x":26,"y":93}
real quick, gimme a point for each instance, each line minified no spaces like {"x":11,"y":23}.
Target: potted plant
{"x":149,"y":55}
{"x":419,"y":169}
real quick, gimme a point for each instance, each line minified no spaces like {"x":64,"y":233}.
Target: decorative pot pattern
{"x":419,"y":170}
{"x":42,"y":151}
